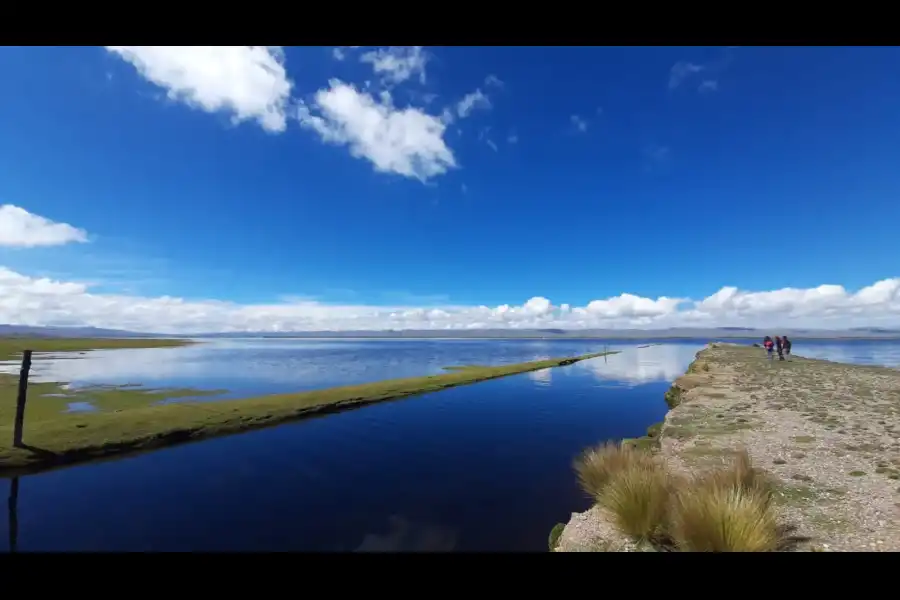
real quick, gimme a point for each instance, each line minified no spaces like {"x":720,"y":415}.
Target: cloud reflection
{"x":876,"y":353}
{"x":542,"y":377}
{"x":406,"y":536}
{"x":637,"y":366}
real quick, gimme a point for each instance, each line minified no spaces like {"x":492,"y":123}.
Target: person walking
{"x":786,"y":344}
{"x":769,"y":346}
{"x":779,"y":347}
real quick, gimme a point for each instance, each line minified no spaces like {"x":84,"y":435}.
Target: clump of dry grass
{"x":741,"y":474}
{"x":637,"y":498}
{"x":727,"y":510}
{"x":598,"y":465}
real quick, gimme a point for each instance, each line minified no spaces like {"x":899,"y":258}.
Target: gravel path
{"x":829,"y":432}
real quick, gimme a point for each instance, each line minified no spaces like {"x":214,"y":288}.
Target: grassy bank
{"x":825,"y":442}
{"x":124,"y":426}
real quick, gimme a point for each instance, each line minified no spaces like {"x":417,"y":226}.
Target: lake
{"x":485,"y":467}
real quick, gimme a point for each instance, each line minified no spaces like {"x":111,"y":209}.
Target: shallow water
{"x":481,"y":467}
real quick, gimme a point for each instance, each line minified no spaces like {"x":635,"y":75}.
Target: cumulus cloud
{"x":40,"y":301}
{"x":406,"y":141}
{"x":249,"y":82}
{"x":397,"y":64}
{"x":21,"y":229}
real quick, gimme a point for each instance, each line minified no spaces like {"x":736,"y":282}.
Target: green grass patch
{"x":555,"y":533}
{"x":673,"y":397}
{"x":131,"y":421}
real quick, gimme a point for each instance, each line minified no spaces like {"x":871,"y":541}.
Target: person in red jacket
{"x":769,"y":345}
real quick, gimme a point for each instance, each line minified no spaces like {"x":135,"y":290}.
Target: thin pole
{"x":21,"y":398}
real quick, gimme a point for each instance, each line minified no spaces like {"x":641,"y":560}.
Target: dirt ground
{"x":829,"y":432}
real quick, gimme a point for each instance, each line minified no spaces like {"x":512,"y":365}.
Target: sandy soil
{"x":829,"y":432}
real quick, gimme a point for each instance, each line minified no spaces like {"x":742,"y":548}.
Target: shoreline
{"x":62,"y":439}
{"x":826,"y":434}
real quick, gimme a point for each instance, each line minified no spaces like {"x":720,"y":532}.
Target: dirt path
{"x":829,"y":432}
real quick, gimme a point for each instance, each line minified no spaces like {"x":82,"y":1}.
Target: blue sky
{"x":362,"y":187}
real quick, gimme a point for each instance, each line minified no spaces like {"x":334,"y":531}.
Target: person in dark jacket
{"x":786,"y":345}
{"x":779,"y":347}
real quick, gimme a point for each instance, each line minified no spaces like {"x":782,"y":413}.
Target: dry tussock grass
{"x":724,"y":510}
{"x":637,"y":497}
{"x":596,"y":466}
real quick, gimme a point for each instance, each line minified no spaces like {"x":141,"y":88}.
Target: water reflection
{"x":270,"y":366}
{"x":864,"y":353}
{"x":12,"y":508}
{"x":406,"y":536}
{"x":648,"y":364}
{"x":542,"y":377}
{"x":441,"y":463}
{"x":250,"y":367}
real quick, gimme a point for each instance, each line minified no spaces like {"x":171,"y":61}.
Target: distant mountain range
{"x":608,"y":334}
{"x":67,"y":332}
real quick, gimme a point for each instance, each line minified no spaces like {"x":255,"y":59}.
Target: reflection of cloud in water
{"x":405,"y":536}
{"x":542,"y":377}
{"x":134,"y":364}
{"x":635,"y":366}
{"x":876,"y":353}
{"x":211,"y":361}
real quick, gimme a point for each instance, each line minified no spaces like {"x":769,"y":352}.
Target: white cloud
{"x":493,"y":81}
{"x":398,"y":63}
{"x":406,"y":141}
{"x":681,"y":71}
{"x":250,"y":82}
{"x":472,"y":101}
{"x":579,"y":123}
{"x":340,"y":52}
{"x":19,"y":228}
{"x":40,"y":301}
{"x":709,"y":85}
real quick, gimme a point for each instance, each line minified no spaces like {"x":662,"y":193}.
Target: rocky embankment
{"x":828,"y":434}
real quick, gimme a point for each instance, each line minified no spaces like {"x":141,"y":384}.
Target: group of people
{"x":782,"y":345}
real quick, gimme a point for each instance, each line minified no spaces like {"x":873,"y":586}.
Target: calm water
{"x":482,"y":467}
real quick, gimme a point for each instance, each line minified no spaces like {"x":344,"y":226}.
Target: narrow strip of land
{"x":828,"y":435}
{"x":54,"y":438}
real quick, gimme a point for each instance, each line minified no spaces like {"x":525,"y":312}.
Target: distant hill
{"x":67,"y":332}
{"x":602,"y":334}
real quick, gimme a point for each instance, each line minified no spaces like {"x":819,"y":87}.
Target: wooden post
{"x":605,"y":350}
{"x":12,"y":506}
{"x":21,"y":398}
